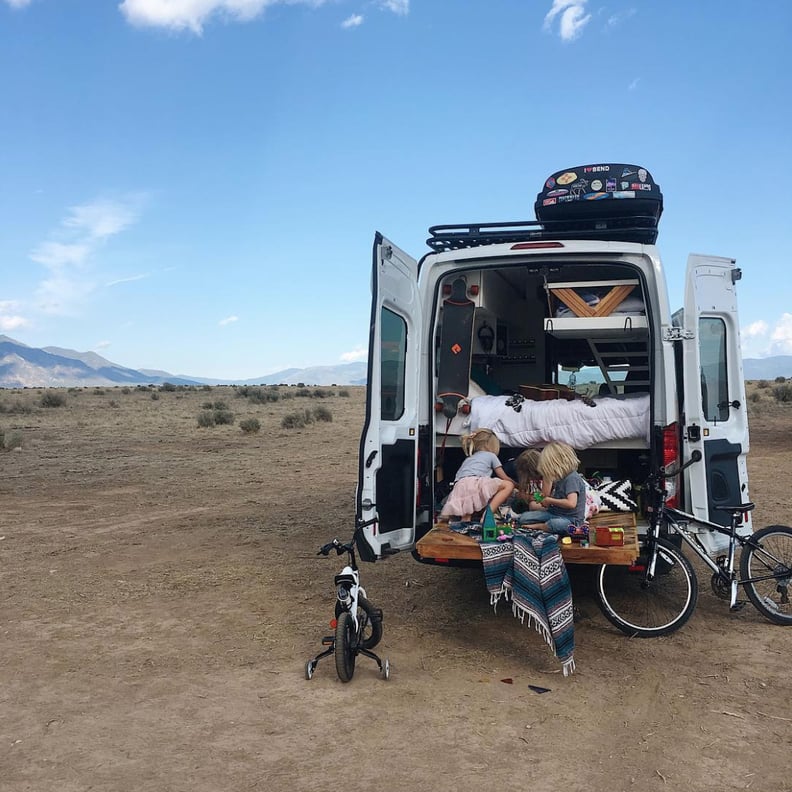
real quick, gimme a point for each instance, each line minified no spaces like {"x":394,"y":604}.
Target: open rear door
{"x":387,"y":466}
{"x":715,"y":412}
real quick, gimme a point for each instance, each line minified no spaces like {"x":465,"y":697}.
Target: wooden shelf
{"x":441,"y":543}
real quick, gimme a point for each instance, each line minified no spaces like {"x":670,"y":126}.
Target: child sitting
{"x":474,"y":485}
{"x":565,"y":505}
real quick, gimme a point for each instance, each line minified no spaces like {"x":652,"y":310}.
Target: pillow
{"x":616,"y":496}
{"x":593,"y":501}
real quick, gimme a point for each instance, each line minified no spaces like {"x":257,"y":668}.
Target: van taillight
{"x":671,"y":456}
{"x":535,"y":245}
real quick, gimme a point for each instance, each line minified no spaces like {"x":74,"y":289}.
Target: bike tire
{"x":345,"y":650}
{"x":372,"y":632}
{"x":648,"y":609}
{"x":772,"y":553}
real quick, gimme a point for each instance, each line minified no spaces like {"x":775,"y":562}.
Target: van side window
{"x":714,"y":380}
{"x":393,"y":355}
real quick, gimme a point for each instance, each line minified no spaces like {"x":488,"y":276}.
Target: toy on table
{"x":538,"y":497}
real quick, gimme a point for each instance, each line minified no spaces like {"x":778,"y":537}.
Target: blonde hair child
{"x":565,"y":503}
{"x":474,"y":485}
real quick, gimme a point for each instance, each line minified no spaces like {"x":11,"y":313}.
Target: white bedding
{"x":572,"y":422}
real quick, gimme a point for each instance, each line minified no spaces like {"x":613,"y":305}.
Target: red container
{"x":604,"y":536}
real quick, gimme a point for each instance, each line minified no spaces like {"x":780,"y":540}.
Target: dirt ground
{"x":161,"y":595}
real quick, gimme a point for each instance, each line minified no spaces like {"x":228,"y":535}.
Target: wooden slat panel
{"x":611,"y":300}
{"x":441,"y":542}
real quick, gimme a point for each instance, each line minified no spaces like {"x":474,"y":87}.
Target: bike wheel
{"x":770,"y":554}
{"x":345,"y":651}
{"x":645,"y":608}
{"x":371,"y":634}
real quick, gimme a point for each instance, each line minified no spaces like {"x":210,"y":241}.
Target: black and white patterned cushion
{"x":616,"y":496}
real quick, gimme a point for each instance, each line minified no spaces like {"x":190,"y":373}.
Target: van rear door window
{"x":714,"y":380}
{"x":393,"y":335}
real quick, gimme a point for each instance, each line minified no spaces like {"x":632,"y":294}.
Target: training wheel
{"x":309,"y":669}
{"x":385,"y":670}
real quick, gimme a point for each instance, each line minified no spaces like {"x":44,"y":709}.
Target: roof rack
{"x":635,"y":228}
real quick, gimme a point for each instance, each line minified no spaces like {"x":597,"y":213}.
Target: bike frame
{"x":678,"y":522}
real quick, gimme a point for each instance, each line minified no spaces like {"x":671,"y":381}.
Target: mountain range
{"x":22,"y":366}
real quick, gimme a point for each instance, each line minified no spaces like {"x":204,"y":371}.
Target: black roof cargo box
{"x":610,"y":195}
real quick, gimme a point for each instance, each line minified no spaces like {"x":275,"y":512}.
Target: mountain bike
{"x":357,"y":623}
{"x":658,"y":593}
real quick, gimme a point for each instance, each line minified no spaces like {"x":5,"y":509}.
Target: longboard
{"x":456,"y":346}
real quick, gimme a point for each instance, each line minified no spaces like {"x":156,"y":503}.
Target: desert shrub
{"x":99,"y":392}
{"x":783,"y":393}
{"x":321,"y":413}
{"x":344,"y":393}
{"x":223,"y":416}
{"x":287,"y":394}
{"x":779,"y":379}
{"x":52,"y":399}
{"x":303,"y":392}
{"x":321,"y":393}
{"x":113,"y":403}
{"x":207,"y":406}
{"x":250,"y":425}
{"x":10,"y":440}
{"x":763,"y":384}
{"x":15,"y":408}
{"x":206,"y":419}
{"x":154,"y":396}
{"x":220,"y":405}
{"x":125,"y":391}
{"x":754,"y":396}
{"x":206,"y":387}
{"x":297,"y":420}
{"x":168,"y":386}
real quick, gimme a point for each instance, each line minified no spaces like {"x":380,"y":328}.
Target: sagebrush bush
{"x":763,"y":384}
{"x":303,"y":392}
{"x":52,"y":399}
{"x":321,"y":413}
{"x":250,"y":425}
{"x":10,"y":440}
{"x":755,"y":396}
{"x":154,"y":396}
{"x":344,"y":393}
{"x":297,"y":420}
{"x":783,"y":393}
{"x":223,"y":417}
{"x":321,"y":393}
{"x":168,"y":386}
{"x":206,"y":419}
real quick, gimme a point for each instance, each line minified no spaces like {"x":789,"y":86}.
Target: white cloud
{"x":18,"y":3}
{"x":634,"y":84}
{"x":359,"y":353}
{"x":761,"y":339}
{"x":353,"y":21}
{"x":781,"y":336}
{"x":68,"y":252}
{"x":755,"y":329}
{"x":10,"y":319}
{"x":573,"y":18}
{"x":102,"y":345}
{"x":228,"y":320}
{"x":401,"y":7}
{"x":616,"y":19}
{"x":193,"y":14}
{"x":130,"y":279}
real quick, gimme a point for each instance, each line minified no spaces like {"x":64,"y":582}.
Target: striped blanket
{"x":531,"y":572}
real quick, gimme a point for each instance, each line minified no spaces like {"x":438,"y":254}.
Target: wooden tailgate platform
{"x":443,"y":544}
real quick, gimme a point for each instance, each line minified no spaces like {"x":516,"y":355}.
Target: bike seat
{"x":742,"y":508}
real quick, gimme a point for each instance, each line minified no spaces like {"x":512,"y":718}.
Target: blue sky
{"x":194,"y":185}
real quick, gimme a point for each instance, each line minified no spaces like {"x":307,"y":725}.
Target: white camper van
{"x":495,"y":314}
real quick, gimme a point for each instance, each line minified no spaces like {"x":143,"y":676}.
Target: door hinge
{"x":387,"y":252}
{"x":677,"y":334}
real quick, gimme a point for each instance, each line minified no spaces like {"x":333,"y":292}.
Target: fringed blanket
{"x":531,"y":571}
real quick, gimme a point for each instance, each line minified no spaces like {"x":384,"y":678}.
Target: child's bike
{"x":358,"y":625}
